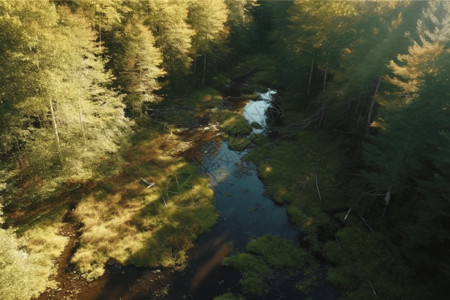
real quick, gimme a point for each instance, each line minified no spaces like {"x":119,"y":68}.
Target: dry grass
{"x":148,"y":227}
{"x":41,"y":244}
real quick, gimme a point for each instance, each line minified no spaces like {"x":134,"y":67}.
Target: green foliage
{"x":168,"y":22}
{"x":60,"y":119}
{"x":208,"y":22}
{"x":136,"y":63}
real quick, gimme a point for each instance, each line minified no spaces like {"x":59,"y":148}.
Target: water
{"x":255,"y":111}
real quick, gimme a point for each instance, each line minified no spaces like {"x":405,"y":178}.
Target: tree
{"x":343,"y":49}
{"x":208,"y":19}
{"x":240,"y":21}
{"x":168,"y":23}
{"x":408,"y":161}
{"x":136,"y":63}
{"x":60,"y":117}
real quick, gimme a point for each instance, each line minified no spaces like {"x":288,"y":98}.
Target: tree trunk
{"x":325,"y":75}
{"x":204,"y":69}
{"x":369,"y":117}
{"x":55,"y":126}
{"x":80,"y":117}
{"x":310,"y":76}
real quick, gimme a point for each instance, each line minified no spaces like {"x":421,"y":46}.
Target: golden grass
{"x":43,"y":244}
{"x":126,"y":221}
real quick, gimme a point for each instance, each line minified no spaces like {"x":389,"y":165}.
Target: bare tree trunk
{"x":369,"y":117}
{"x":55,"y":126}
{"x":310,"y":76}
{"x":387,"y":200}
{"x":80,"y":117}
{"x":317,"y":187}
{"x":204,"y":69}
{"x":347,"y":214}
{"x":325,"y":75}
{"x":373,"y":289}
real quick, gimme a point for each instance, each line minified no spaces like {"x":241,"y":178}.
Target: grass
{"x":232,"y":123}
{"x":263,"y":77}
{"x":32,"y":267}
{"x":146,"y":227}
{"x":183,"y":111}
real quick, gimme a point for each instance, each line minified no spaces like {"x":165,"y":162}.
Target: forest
{"x":106,"y":106}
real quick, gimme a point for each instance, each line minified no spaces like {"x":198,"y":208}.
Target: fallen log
{"x":149,"y":185}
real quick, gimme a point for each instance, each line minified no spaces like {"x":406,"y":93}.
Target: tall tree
{"x":136,"y":63}
{"x":208,"y":20}
{"x":168,"y":22}
{"x":60,"y":117}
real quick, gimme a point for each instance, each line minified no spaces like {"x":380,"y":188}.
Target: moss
{"x":307,"y":285}
{"x":238,"y":143}
{"x":220,"y":80}
{"x":264,"y":257}
{"x":278,"y":252}
{"x":256,"y":125}
{"x":253,"y":283}
{"x":236,"y":125}
{"x":303,"y":173}
{"x":255,"y":272}
{"x":229,"y":296}
{"x":264,"y":75}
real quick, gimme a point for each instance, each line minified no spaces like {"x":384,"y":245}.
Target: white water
{"x":255,"y":110}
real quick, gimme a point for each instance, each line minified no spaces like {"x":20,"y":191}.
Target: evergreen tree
{"x":208,"y":20}
{"x":60,"y":117}
{"x":168,"y":22}
{"x":136,"y":63}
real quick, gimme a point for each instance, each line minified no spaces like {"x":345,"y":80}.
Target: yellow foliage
{"x":412,"y":67}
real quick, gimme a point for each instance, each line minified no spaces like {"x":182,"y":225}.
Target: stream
{"x":245,"y":213}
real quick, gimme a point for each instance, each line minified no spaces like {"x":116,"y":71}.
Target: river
{"x":245,"y":213}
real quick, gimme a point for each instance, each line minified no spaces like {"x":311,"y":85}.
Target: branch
{"x":317,"y":187}
{"x":373,"y":289}
{"x":346,"y":215}
{"x":365,"y":223}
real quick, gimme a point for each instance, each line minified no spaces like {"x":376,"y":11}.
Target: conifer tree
{"x":168,"y":22}
{"x":208,"y":20}
{"x":60,"y":117}
{"x":136,"y":63}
